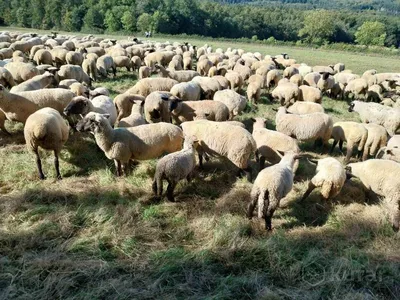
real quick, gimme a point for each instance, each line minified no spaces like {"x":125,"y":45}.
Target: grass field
{"x":95,"y":236}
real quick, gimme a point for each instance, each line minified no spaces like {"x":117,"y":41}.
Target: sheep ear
{"x":142,"y":103}
{"x":164,"y":97}
{"x":313,"y":161}
{"x":206,"y":115}
{"x":253,"y":120}
{"x":389,"y":151}
{"x":275,"y":109}
{"x":173,"y":105}
{"x":107,"y":116}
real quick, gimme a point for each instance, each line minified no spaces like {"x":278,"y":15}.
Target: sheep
{"x":146,"y":86}
{"x":235,"y":102}
{"x":258,"y":80}
{"x":99,"y":91}
{"x":345,"y":78}
{"x":43,"y":57}
{"x":378,"y":114}
{"x":180,"y":76}
{"x":297,"y":79}
{"x":89,"y":67}
{"x":122,"y":62}
{"x":59,"y":56}
{"x":310,"y":94}
{"x":373,"y":174}
{"x":21,"y":71}
{"x":104,"y":63}
{"x":375,"y":93}
{"x":3,"y":118}
{"x":132,"y":143}
{"x":272,"y":78}
{"x":243,"y":70}
{"x":46,"y":129}
{"x":235,"y":80}
{"x":271,"y":185}
{"x":187,"y":91}
{"x":222,"y":139}
{"x":35,"y":83}
{"x":289,"y":72}
{"x":326,"y":82}
{"x":136,"y":62}
{"x":74,"y":58}
{"x":123,"y":104}
{"x":80,"y":105}
{"x":135,"y":118}
{"x":312,"y":79}
{"x":323,"y":69}
{"x":303,"y":108}
{"x":339,"y":67}
{"x":18,"y":56}
{"x":175,"y":167}
{"x":305,"y":127}
{"x":203,"y":66}
{"x":358,"y":87}
{"x":253,"y":92}
{"x":270,"y":143}
{"x":183,"y":111}
{"x":162,"y":58}
{"x":79,"y":89}
{"x":156,"y":107}
{"x":377,"y":138}
{"x":394,"y":141}
{"x":389,"y":153}
{"x":286,"y":93}
{"x":330,"y":177}
{"x":223,"y":82}
{"x":353,"y":133}
{"x":6,"y":79}
{"x":304,"y":70}
{"x":144,"y":72}
{"x":74,"y":72}
{"x":99,"y":51}
{"x":187,"y":63}
{"x":209,"y":86}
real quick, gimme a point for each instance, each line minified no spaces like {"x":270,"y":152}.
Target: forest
{"x":303,"y":21}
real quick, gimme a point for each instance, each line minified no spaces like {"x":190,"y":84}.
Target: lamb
{"x":46,"y":129}
{"x":80,"y":105}
{"x":175,"y":167}
{"x":183,"y":111}
{"x":330,"y":177}
{"x":146,"y":86}
{"x":6,"y":79}
{"x":222,"y":139}
{"x":74,"y":72}
{"x":310,"y":94}
{"x":209,"y":86}
{"x":286,"y":93}
{"x":378,"y":114}
{"x":389,"y":153}
{"x":134,"y":143}
{"x":351,"y":132}
{"x":377,"y":138}
{"x":313,"y":126}
{"x":187,"y":91}
{"x":271,"y":185}
{"x":35,"y":83}
{"x":345,"y":78}
{"x":124,"y":102}
{"x":144,"y":72}
{"x":242,"y":69}
{"x":21,"y":71}
{"x":373,"y":174}
{"x":135,"y":118}
{"x":104,"y":63}
{"x":270,"y":143}
{"x":180,"y":76}
{"x":303,"y":108}
{"x":235,"y":102}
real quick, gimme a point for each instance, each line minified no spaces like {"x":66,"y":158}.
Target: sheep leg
{"x":118,"y":168}
{"x":200,"y":160}
{"x":262,"y":162}
{"x":341,"y":145}
{"x":256,"y":154}
{"x":125,"y":168}
{"x":251,"y":206}
{"x":268,"y":219}
{"x":334,"y":145}
{"x":396,"y":218}
{"x":57,"y":165}
{"x":311,"y":187}
{"x":248,"y":173}
{"x":114,"y":72}
{"x":349,"y":152}
{"x":170,"y":191}
{"x":39,"y":165}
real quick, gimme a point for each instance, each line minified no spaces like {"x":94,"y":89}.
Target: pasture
{"x":95,"y":236}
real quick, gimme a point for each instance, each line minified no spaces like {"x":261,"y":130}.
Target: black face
{"x":351,"y":107}
{"x":155,"y":114}
{"x":75,"y":108}
{"x":173,"y":104}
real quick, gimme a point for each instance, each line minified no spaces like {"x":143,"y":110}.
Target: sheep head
{"x":93,"y":122}
{"x":78,"y":106}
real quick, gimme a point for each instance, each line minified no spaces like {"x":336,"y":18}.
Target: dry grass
{"x":94,"y":236}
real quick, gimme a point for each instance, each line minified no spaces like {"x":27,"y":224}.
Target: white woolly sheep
{"x":144,"y":72}
{"x":104,"y":63}
{"x":310,"y":94}
{"x":377,"y":138}
{"x":43,"y":57}
{"x":235,"y":102}
{"x":135,"y":118}
{"x":122,"y":62}
{"x":373,"y":174}
{"x":358,"y":87}
{"x":330,"y":177}
{"x":132,"y":143}
{"x":312,"y":79}
{"x":315,"y":126}
{"x":146,"y":86}
{"x":353,"y":133}
{"x":286,"y":93}
{"x":21,"y":71}
{"x":297,"y":79}
{"x":6,"y":79}
{"x":136,"y":63}
{"x":271,"y":185}
{"x":209,"y":86}
{"x":389,"y":153}
{"x":180,"y":76}
{"x":46,"y":129}
{"x":175,"y":167}
{"x":187,"y":91}
{"x":235,"y":80}
{"x":303,"y":108}
{"x":124,"y":102}
{"x":74,"y":72}
{"x":35,"y":83}
{"x":326,"y":83}
{"x":222,"y":139}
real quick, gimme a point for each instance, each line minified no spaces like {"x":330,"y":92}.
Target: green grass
{"x":95,"y":236}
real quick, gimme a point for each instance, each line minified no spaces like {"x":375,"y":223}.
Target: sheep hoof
{"x":59,"y":177}
{"x":42,"y":177}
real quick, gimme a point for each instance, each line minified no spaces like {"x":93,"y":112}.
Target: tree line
{"x":208,"y":18}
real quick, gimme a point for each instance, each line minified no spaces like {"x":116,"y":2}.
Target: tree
{"x":319,"y":27}
{"x":128,"y":21}
{"x":93,"y":20}
{"x":145,"y":22}
{"x":371,"y":34}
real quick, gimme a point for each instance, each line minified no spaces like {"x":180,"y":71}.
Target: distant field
{"x":95,"y":236}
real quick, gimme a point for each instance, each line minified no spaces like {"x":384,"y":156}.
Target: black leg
{"x":341,"y":145}
{"x":334,"y":145}
{"x":170,"y":191}
{"x":256,"y":154}
{"x":200,"y":160}
{"x":118,"y":167}
{"x":57,"y":165}
{"x":262,"y":162}
{"x":39,"y":165}
{"x":251,"y":206}
{"x":248,"y":171}
{"x":268,"y":219}
{"x":311,"y":187}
